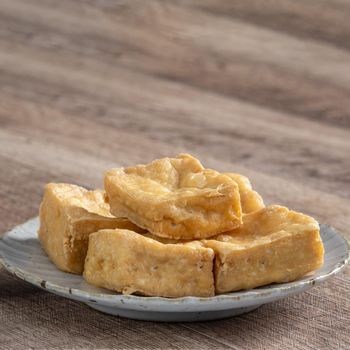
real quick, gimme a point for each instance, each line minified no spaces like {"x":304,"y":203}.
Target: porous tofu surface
{"x":273,"y":244}
{"x":128,"y":262}
{"x":68,"y":214}
{"x":175,"y":198}
{"x":172,"y":228}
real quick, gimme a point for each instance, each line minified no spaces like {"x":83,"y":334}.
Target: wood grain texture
{"x":261,"y":88}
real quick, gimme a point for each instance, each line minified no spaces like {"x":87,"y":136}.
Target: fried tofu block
{"x":175,"y":198}
{"x":129,"y":262}
{"x":273,"y":244}
{"x":250,"y":199}
{"x":68,"y":214}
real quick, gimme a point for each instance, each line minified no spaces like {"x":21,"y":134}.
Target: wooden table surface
{"x":261,"y":88}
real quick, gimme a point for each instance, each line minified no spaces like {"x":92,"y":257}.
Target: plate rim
{"x":217,"y":302}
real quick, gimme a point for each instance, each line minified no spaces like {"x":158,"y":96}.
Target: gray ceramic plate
{"x":21,"y":254}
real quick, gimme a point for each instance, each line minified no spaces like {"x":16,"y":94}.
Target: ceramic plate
{"x":21,"y":254}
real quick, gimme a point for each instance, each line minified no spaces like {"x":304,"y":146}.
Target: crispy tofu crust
{"x":175,"y":198}
{"x":68,"y":214}
{"x":172,"y":228}
{"x":128,"y":262}
{"x":273,"y":244}
{"x":250,"y":199}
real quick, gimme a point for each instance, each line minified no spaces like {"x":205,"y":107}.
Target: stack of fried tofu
{"x":173,"y":228}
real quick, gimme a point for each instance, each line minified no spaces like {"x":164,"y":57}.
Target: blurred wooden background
{"x":261,"y":88}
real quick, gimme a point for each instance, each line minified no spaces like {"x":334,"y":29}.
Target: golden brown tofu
{"x":273,"y":244}
{"x":129,"y":262}
{"x":175,"y":198}
{"x":250,"y":199}
{"x":68,"y":214}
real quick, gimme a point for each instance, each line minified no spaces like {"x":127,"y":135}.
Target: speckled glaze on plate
{"x":21,"y":254}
